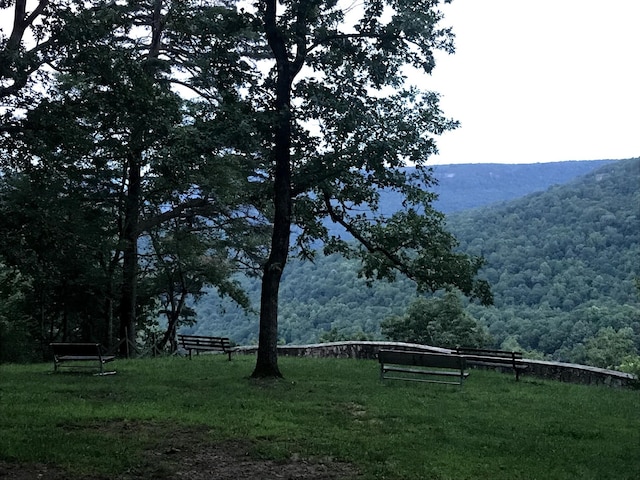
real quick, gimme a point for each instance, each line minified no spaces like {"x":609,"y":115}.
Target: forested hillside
{"x":562,"y":247}
{"x":562,"y":265}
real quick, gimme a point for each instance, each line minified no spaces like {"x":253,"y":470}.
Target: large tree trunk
{"x":131,"y":233}
{"x":128,"y":294}
{"x":267,"y":360}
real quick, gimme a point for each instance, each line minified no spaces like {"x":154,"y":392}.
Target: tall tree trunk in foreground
{"x":133,"y":201}
{"x":128,"y":294}
{"x":267,"y":360}
{"x":367,"y":137}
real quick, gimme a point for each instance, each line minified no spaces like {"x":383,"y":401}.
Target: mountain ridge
{"x":466,"y":186}
{"x":462,"y":187}
{"x":553,"y":281}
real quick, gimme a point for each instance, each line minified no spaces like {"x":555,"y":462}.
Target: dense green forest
{"x":563,"y":266}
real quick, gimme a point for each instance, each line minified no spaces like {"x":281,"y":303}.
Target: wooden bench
{"x":80,"y":352}
{"x":494,"y":358}
{"x":199,"y":343}
{"x":422,"y":367}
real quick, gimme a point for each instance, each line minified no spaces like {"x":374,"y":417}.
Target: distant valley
{"x":561,"y":241}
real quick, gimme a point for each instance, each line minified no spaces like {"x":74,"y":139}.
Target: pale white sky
{"x":540,"y":81}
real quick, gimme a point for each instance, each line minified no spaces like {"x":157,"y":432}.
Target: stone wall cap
{"x":578,"y":366}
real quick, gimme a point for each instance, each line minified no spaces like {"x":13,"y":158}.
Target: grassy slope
{"x":493,"y":428}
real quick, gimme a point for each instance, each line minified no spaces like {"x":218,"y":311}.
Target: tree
{"x":609,"y":348}
{"x":111,"y":114}
{"x":440,"y":322}
{"x":185,"y":258}
{"x":31,"y":42}
{"x":181,"y":143}
{"x":343,"y":125}
{"x":14,"y":332}
{"x":42,"y":34}
{"x":56,"y":237}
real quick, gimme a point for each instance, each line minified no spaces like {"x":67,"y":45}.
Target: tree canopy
{"x":440,"y":321}
{"x":175,"y":142}
{"x":132,"y":162}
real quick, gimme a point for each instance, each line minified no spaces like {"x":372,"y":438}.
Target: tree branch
{"x":397,"y":263}
{"x":193,"y":204}
{"x":342,"y":36}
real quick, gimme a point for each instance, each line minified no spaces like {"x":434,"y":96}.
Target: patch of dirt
{"x":188,"y":454}
{"x":222,"y":462}
{"x":14,"y":471}
{"x":232,"y":460}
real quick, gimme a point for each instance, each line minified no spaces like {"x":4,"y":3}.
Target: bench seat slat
{"x":201,"y":343}
{"x":71,"y":358}
{"x":449,"y":366}
{"x":416,"y":379}
{"x":424,"y":372}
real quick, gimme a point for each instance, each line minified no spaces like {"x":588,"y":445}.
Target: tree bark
{"x":131,"y":231}
{"x":128,"y":293}
{"x":267,"y":359}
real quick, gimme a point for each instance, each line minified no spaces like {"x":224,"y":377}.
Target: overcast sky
{"x":541,"y":81}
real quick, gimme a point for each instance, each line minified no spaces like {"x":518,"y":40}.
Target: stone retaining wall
{"x":565,"y":372}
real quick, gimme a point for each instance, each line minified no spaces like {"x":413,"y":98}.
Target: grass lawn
{"x":326,"y":411}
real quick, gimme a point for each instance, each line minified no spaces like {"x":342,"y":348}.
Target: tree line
{"x":150,"y":149}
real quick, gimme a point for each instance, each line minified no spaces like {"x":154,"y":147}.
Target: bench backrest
{"x":489,"y":353}
{"x":195,"y":341}
{"x":420,"y":359}
{"x":76,"y":349}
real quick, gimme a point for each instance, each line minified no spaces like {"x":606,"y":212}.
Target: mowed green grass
{"x":492,"y":428}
